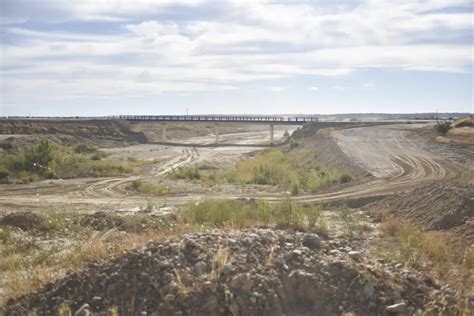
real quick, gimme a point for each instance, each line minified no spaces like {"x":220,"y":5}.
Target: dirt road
{"x":388,"y":152}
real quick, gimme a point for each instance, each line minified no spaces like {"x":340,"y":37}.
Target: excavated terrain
{"x":251,"y":272}
{"x":398,"y":169}
{"x":439,"y":206}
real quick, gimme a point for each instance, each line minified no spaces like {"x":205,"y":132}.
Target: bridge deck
{"x":281,"y":120}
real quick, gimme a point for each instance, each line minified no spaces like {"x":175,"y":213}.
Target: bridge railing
{"x":217,"y":118}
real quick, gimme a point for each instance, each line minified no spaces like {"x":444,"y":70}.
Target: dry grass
{"x":22,"y":273}
{"x":437,"y":252}
{"x":147,"y":188}
{"x":234,"y":214}
{"x":293,"y":171}
{"x":462,"y":133}
{"x":392,"y":227}
{"x":220,"y":259}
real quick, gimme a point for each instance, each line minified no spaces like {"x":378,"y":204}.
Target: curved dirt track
{"x":387,"y":151}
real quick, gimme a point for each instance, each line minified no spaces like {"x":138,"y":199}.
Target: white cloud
{"x":248,"y":41}
{"x":369,"y":85}
{"x":340,"y":88}
{"x":277,"y":88}
{"x":313,"y":88}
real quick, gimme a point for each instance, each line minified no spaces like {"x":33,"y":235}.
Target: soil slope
{"x":254,"y":272}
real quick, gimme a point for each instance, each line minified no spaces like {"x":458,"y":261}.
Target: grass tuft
{"x":143,"y":187}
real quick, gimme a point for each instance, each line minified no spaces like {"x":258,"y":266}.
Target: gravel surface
{"x":252,"y":272}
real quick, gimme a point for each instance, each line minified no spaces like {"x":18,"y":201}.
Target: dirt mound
{"x":253,"y":272}
{"x":440,"y":206}
{"x":467,"y":121}
{"x":95,"y":131}
{"x":101,"y":221}
{"x":138,"y":222}
{"x":22,"y":220}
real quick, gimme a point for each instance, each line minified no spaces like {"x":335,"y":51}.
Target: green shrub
{"x":443,"y":127}
{"x":345,"y":178}
{"x":238,"y":214}
{"x":352,"y":221}
{"x":289,"y":171}
{"x":147,"y":188}
{"x":293,"y":143}
{"x":37,"y":158}
{"x":5,"y":234}
{"x":46,"y":160}
{"x":188,"y":173}
{"x":289,"y":215}
{"x":313,"y":214}
{"x":4,"y":173}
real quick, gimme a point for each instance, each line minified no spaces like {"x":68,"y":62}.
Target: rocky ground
{"x":251,"y":272}
{"x":440,"y":206}
{"x":264,"y":271}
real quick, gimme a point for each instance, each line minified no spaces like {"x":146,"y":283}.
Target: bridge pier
{"x":271,"y":133}
{"x":216,"y":132}
{"x":163,"y":133}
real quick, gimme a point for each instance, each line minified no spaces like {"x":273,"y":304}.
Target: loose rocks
{"x":250,"y":272}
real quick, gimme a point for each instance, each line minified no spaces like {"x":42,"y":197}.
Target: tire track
{"x":406,"y":166}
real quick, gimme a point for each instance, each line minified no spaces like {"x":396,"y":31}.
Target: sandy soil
{"x":389,"y":152}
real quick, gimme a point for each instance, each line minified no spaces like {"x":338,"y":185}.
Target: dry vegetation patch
{"x":47,"y":160}
{"x":438,"y":252}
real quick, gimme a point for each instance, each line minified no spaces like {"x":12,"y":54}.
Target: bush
{"x":289,"y":171}
{"x":313,"y":215}
{"x":238,"y":214}
{"x":188,"y":173}
{"x":345,"y":178}
{"x":293,"y":143}
{"x":353,"y":221}
{"x":443,"y":127}
{"x":46,"y":160}
{"x":147,"y":188}
{"x":4,"y":173}
{"x":37,"y":158}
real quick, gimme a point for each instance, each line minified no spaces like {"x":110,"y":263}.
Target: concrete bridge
{"x":257,"y":119}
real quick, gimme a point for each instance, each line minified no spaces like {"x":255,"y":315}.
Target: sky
{"x":108,"y":57}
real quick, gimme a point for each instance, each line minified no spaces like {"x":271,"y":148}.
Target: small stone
{"x":210,"y":286}
{"x":368,"y":290}
{"x":227,"y":269}
{"x":164,"y":264}
{"x":396,"y":308}
{"x":200,"y":268}
{"x":211,"y":304}
{"x":242,"y":282}
{"x":169,"y":298}
{"x":313,"y":242}
{"x":253,"y":300}
{"x":234,"y":309}
{"x":297,"y":252}
{"x":356,"y":255}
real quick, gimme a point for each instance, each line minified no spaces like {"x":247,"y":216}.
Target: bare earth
{"x":388,"y":152}
{"x":398,"y":167}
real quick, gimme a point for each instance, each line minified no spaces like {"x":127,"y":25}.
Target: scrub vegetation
{"x":218,"y":213}
{"x":148,"y":188}
{"x":47,"y":160}
{"x":437,"y":252}
{"x":293,"y":170}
